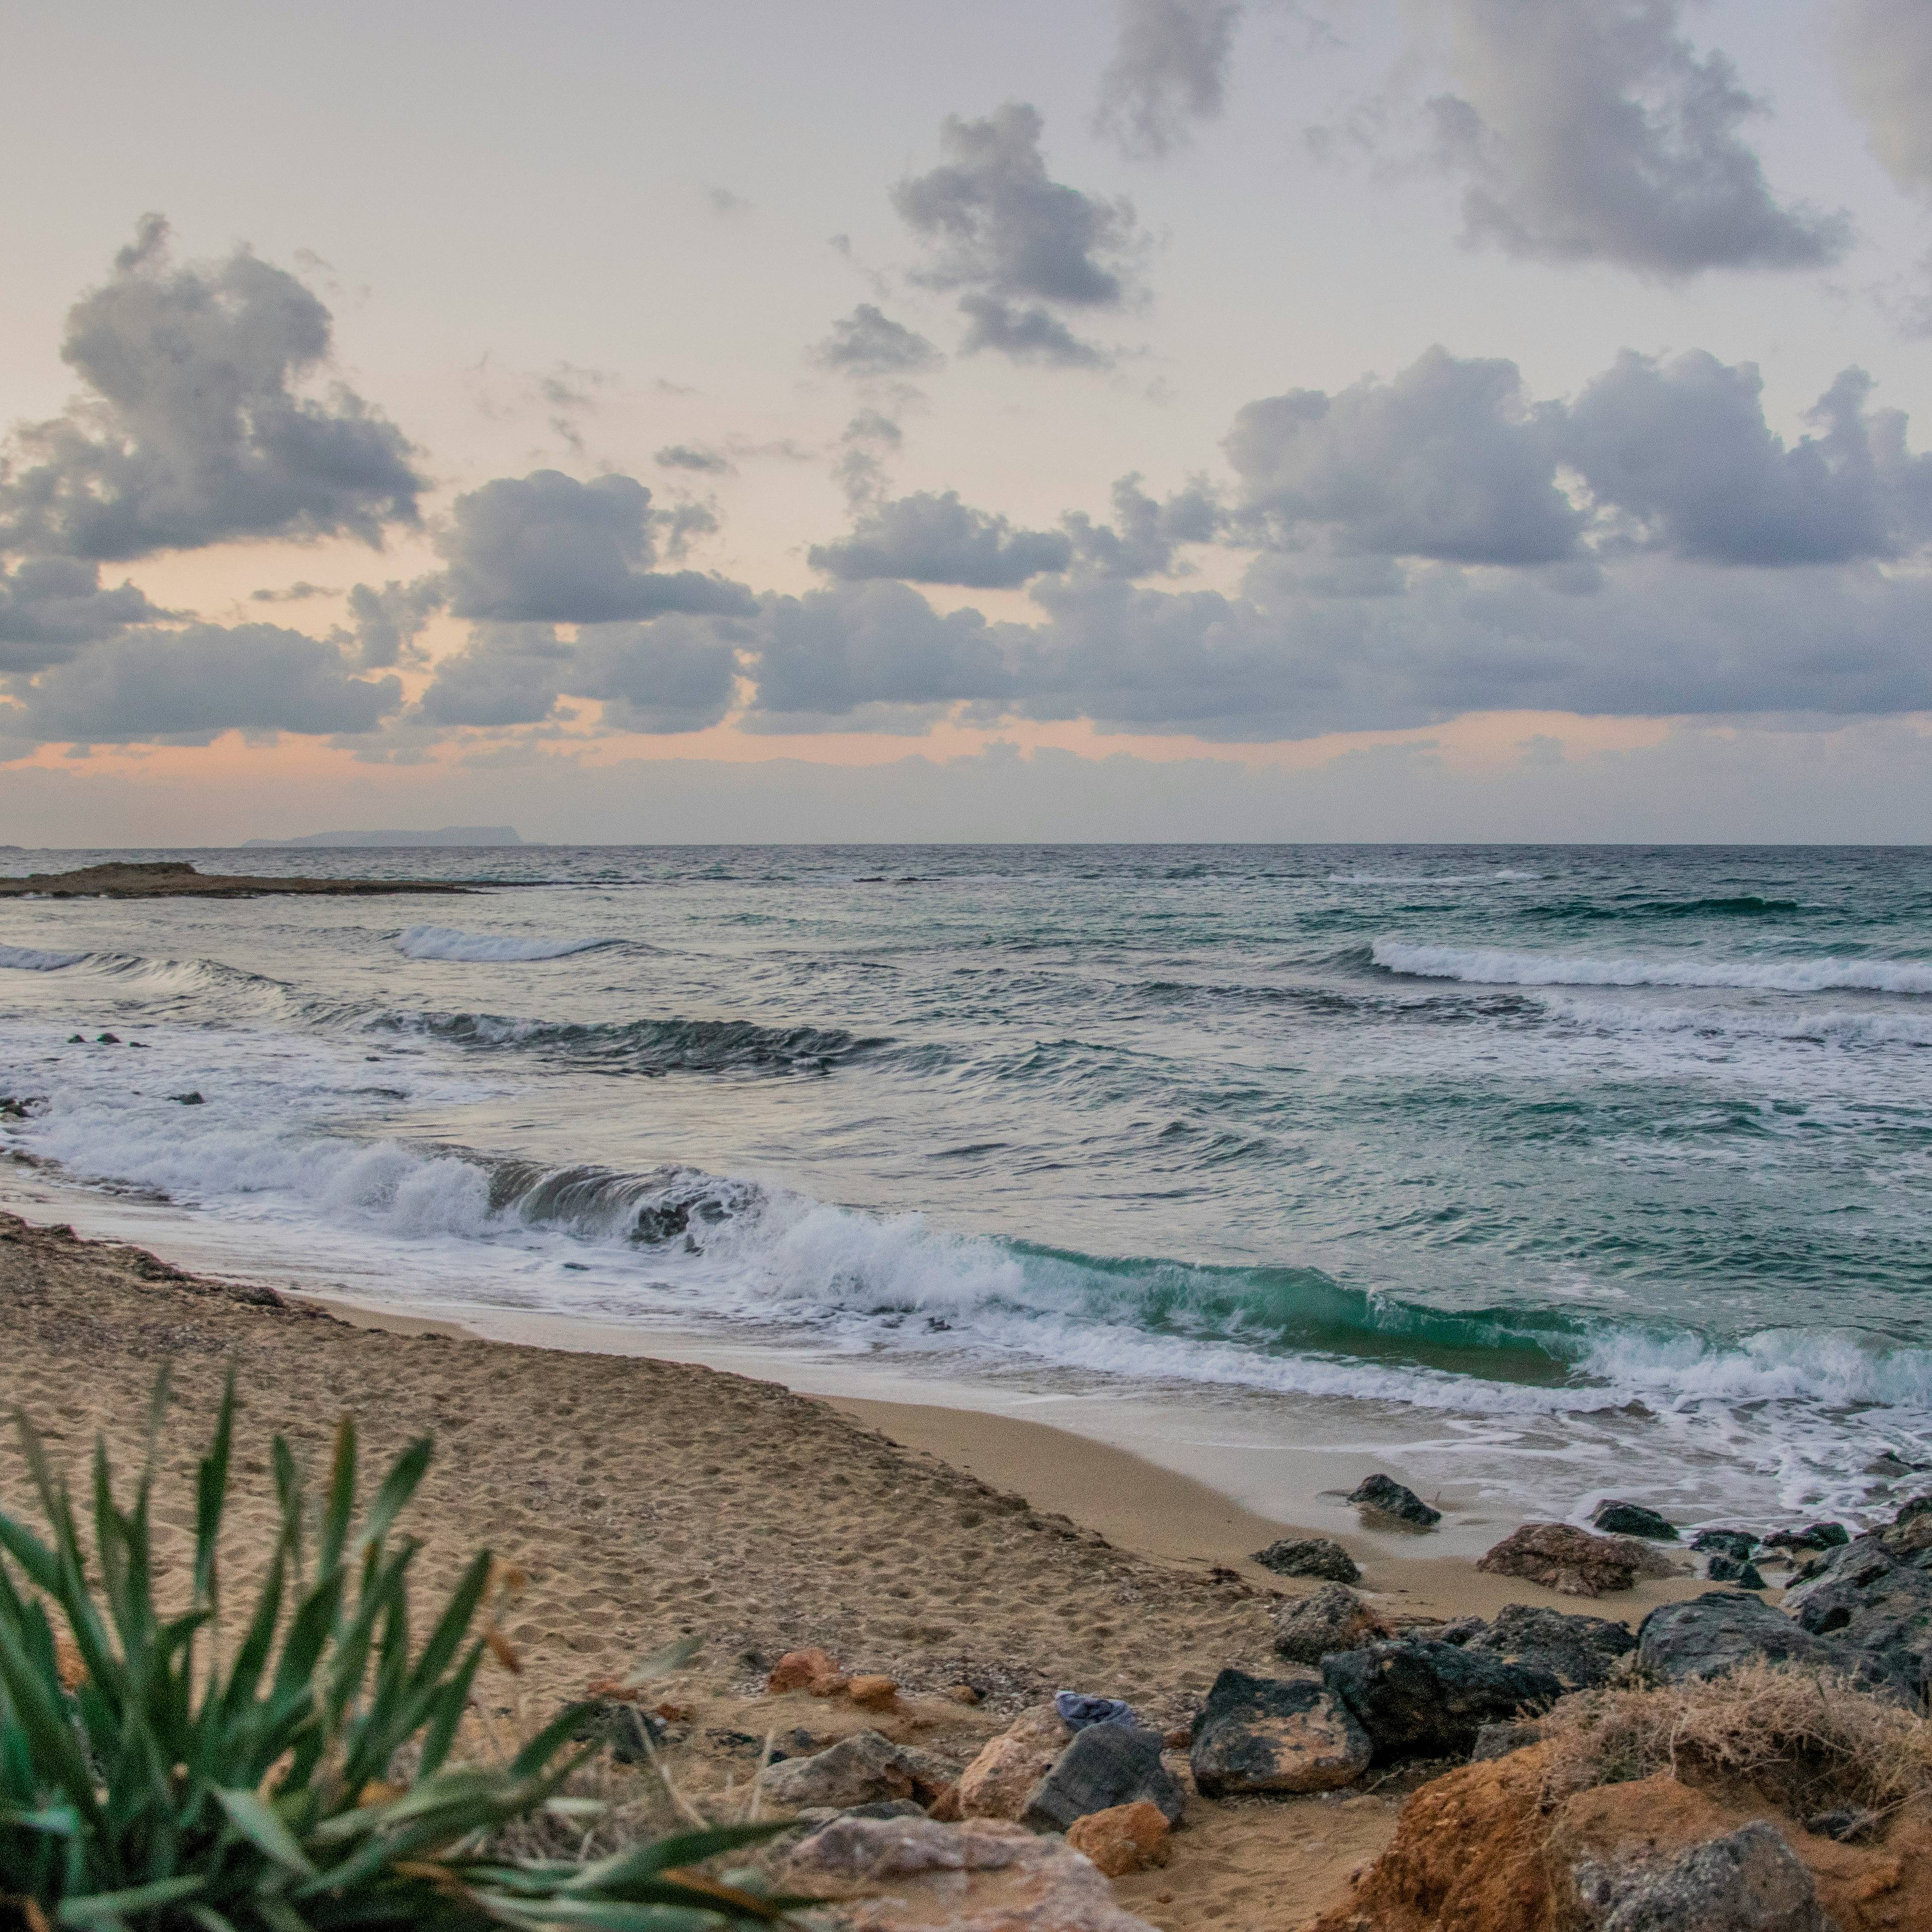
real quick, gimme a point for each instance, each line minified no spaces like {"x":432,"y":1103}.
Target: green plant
{"x":163,"y":1786}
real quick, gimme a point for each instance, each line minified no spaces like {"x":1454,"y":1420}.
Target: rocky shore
{"x":176,"y":879}
{"x":982,"y":1715}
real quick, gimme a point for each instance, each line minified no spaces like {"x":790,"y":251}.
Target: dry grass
{"x":1806,"y":1740}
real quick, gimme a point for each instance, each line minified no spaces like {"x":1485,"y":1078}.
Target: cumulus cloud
{"x":506,"y":674}
{"x":687,"y":456}
{"x":1599,"y":132}
{"x":935,"y":538}
{"x":867,"y":343}
{"x":49,"y":606}
{"x":1144,"y":534}
{"x":387,"y":621}
{"x":1169,"y":68}
{"x":1017,"y":243}
{"x":546,"y":549}
{"x":674,"y":674}
{"x":1884,"y":48}
{"x":193,"y":431}
{"x":189,"y":686}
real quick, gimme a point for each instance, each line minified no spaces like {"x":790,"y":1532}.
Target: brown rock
{"x":1563,"y":1558}
{"x":998,"y":1782}
{"x":875,"y":1693}
{"x":1128,"y":1838}
{"x":965,"y":1694}
{"x":811,"y":1670}
{"x":945,"y":1808}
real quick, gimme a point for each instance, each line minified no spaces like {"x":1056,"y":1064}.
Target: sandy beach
{"x":646,"y":1499}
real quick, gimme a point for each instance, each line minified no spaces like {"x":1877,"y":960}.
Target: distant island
{"x":446,"y":835}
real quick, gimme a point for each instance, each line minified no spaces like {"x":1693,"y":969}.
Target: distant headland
{"x":445,"y":835}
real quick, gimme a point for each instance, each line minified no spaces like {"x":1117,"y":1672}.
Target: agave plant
{"x":149,"y":1780}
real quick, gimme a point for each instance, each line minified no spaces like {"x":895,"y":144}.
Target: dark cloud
{"x":49,"y":606}
{"x":935,"y":538}
{"x":387,"y":621}
{"x":192,"y":432}
{"x":1885,"y":60}
{"x":1599,"y":132}
{"x":868,"y":343}
{"x":506,"y":674}
{"x":189,"y":686}
{"x":1016,"y":242}
{"x":674,"y":674}
{"x":1169,"y":68}
{"x":687,"y":456}
{"x":299,"y":593}
{"x":546,"y":549}
{"x":1144,"y":534}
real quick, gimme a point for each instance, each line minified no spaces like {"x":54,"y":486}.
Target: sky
{"x":1144,"y":419}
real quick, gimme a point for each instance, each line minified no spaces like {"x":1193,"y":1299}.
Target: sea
{"x":1533,"y":1175}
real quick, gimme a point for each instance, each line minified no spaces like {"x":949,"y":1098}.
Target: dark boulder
{"x":1333,"y":1618}
{"x":1309,"y":1556}
{"x":1749,"y":1880}
{"x":1505,"y":1740}
{"x":1738,"y":1543}
{"x":1615,"y":1519}
{"x":1580,"y":1652}
{"x":1419,"y":1698}
{"x":1387,"y":1497}
{"x":1105,"y":1765}
{"x":1875,"y":1593}
{"x":1814,"y":1536}
{"x":1723,"y":1630}
{"x":1740,"y":1570}
{"x":1286,"y":1735}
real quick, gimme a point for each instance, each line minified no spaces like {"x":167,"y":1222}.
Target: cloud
{"x":1169,"y":67}
{"x":868,"y":343}
{"x":1884,"y":50}
{"x":1017,"y":243}
{"x":387,"y":621}
{"x":871,"y":438}
{"x":674,"y":674}
{"x":192,"y":432}
{"x":1598,"y":132}
{"x":687,"y":456}
{"x":1145,"y":534}
{"x":546,"y":549}
{"x":49,"y":606}
{"x":935,"y":538}
{"x":506,"y":674}
{"x":189,"y":686}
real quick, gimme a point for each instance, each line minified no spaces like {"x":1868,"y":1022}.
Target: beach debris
{"x":1123,"y":1839}
{"x":1620,"y":1518}
{"x":1816,"y":1536}
{"x":1333,"y":1618}
{"x":997,"y":1784}
{"x":812,"y":1670}
{"x":1387,"y":1497}
{"x":1723,"y":1630}
{"x":866,"y":1768}
{"x":873,"y":1693}
{"x":1738,"y":1570}
{"x":1749,"y":1880}
{"x":1076,"y":1712}
{"x":1416,"y":1698}
{"x":1288,"y":1735}
{"x":1737,"y":1543}
{"x":1103,"y":1766}
{"x":959,"y":1878}
{"x":1876,"y":1591}
{"x":1580,"y":1652}
{"x":1571,"y":1561}
{"x":1309,"y":1556}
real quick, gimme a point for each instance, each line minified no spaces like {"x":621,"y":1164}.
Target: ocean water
{"x":1541,"y":1172}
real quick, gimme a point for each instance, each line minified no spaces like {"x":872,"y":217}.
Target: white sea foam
{"x":445,"y":942}
{"x":32,"y":959}
{"x":1493,"y":966}
{"x":1504,"y":875}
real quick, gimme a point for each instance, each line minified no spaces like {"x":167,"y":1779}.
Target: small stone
{"x":1737,"y":1543}
{"x":1284,"y":1735}
{"x":107,"y":1039}
{"x":188,"y":1100}
{"x":1617,"y":1518}
{"x":997,"y":1783}
{"x":76,"y":1040}
{"x":812,"y":1670}
{"x":1105,"y":1766}
{"x":1309,"y":1556}
{"x":865,"y":1768}
{"x":946,"y":1807}
{"x":1750,"y":1880}
{"x":1730,"y":1570}
{"x":1123,"y":1839}
{"x":1563,"y":1558}
{"x":873,"y":1694}
{"x":965,"y":1694}
{"x":1333,"y":1618}
{"x":1387,"y":1497}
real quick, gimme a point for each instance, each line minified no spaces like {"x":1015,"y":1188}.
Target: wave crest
{"x":446,"y":942}
{"x":1493,"y":966}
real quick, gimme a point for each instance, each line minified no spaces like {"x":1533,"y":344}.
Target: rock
{"x":983,"y":1875}
{"x":1741,"y":1571}
{"x":865,"y":1768}
{"x":1273,"y":1734}
{"x":1458,"y":1629}
{"x":1561,"y":1557}
{"x":1309,"y":1556}
{"x":816,"y":1815}
{"x":1736,"y":1542}
{"x":1615,"y":1519}
{"x":1875,"y":1592}
{"x":1814,"y":1536}
{"x":873,"y":1694}
{"x":1333,"y":1618}
{"x":1886,"y":1464}
{"x":1128,"y":1838}
{"x":1494,"y":1741}
{"x":630,"y":1733}
{"x":1579,"y":1652}
{"x":1750,"y":1880}
{"x":76,"y":1040}
{"x":946,"y":1807}
{"x":998,"y":1782}
{"x":189,"y":1100}
{"x":1708,"y":1635}
{"x":107,"y":1039}
{"x":1847,"y":1824}
{"x":965,"y":1694}
{"x":1419,"y":1698}
{"x":1077,"y":1712}
{"x":812,"y":1670}
{"x":1103,"y":1766}
{"x":1387,"y":1497}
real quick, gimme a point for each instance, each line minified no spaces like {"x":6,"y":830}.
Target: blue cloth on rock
{"x":1077,"y":1712}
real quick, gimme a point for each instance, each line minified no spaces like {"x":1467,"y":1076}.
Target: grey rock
{"x":1814,"y":1536}
{"x":1387,"y":1497}
{"x":1333,"y":1618}
{"x":1707,"y":1635}
{"x":1105,"y":1766}
{"x":1875,"y":1592}
{"x":815,"y":1815}
{"x":1309,"y":1556}
{"x":1274,"y":1734}
{"x":1616,"y":1519}
{"x":1419,"y":1698}
{"x":1750,"y":1880}
{"x":1580,"y":1652}
{"x":1502,"y":1740}
{"x":866,"y":1768}
{"x":1848,"y":1824}
{"x":1738,"y":1570}
{"x":1736,"y":1542}
{"x":1460,"y":1630}
{"x":630,"y":1733}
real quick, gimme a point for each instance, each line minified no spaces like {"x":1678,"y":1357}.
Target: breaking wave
{"x":444,"y":942}
{"x":1490,"y":966}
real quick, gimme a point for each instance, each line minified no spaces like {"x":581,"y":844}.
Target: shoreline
{"x":176,"y":879}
